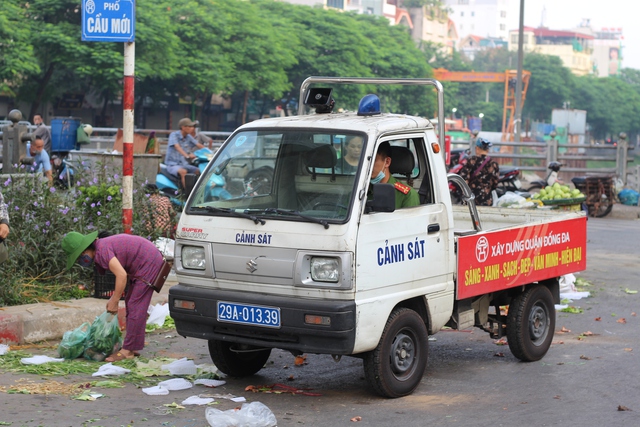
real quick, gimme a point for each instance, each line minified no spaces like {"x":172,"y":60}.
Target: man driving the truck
{"x":406,"y":196}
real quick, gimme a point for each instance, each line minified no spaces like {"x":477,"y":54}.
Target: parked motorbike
{"x":508,"y":180}
{"x":552,"y":177}
{"x":171,"y":186}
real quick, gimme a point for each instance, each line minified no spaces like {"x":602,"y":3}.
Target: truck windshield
{"x":290,"y":175}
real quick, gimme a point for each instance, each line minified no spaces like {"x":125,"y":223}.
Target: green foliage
{"x":40,"y":216}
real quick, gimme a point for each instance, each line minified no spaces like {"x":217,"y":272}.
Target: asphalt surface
{"x":588,"y":377}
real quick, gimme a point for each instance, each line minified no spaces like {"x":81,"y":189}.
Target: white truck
{"x":312,"y":260}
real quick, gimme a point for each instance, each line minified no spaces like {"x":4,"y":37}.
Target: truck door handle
{"x":433,"y":228}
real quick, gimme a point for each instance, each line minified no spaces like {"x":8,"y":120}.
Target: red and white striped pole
{"x":127,"y":136}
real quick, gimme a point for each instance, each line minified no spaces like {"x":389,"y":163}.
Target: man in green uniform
{"x":405,"y":196}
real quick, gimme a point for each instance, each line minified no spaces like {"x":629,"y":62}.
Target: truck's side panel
{"x":496,"y":260}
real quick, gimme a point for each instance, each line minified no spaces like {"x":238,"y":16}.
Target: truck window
{"x":290,"y":175}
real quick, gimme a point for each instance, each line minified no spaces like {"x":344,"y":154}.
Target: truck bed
{"x":516,"y":247}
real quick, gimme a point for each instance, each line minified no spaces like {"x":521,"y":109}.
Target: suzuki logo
{"x":252,"y":265}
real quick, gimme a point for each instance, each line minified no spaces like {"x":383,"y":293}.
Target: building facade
{"x":574,"y":48}
{"x":484,"y":18}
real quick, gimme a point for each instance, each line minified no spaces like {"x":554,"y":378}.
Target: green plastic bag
{"x":104,"y":337}
{"x":73,"y":342}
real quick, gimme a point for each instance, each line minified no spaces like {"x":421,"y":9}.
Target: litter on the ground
{"x":228,"y":396}
{"x":175,"y":384}
{"x":209,"y":383}
{"x":157,"y":314}
{"x":3,"y":349}
{"x":254,"y":414}
{"x":110,"y":369}
{"x":568,"y":291}
{"x":197,"y":400}
{"x":181,"y":367}
{"x":39,"y":360}
{"x":155,"y":391}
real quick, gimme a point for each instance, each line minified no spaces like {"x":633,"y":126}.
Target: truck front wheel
{"x":396,"y":366}
{"x":237,"y":361}
{"x":531,"y":323}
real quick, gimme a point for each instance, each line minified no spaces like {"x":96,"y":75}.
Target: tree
{"x":16,"y":54}
{"x":550,"y":85}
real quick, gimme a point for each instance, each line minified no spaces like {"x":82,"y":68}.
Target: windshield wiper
{"x":253,"y":218}
{"x":323,"y":222}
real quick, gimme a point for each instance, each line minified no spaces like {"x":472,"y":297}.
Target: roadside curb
{"x":49,"y":321}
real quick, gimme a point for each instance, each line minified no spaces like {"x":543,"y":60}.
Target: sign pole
{"x":115,"y":21}
{"x":128,"y":105}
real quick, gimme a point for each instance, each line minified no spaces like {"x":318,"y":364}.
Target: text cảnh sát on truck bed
{"x":311,"y":257}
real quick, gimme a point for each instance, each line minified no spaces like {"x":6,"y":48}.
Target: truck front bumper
{"x":293,"y":334}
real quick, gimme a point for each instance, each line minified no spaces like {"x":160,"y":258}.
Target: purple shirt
{"x":139,"y":257}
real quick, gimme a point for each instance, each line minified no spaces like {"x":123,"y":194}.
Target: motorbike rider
{"x":179,"y":151}
{"x":481,"y":173}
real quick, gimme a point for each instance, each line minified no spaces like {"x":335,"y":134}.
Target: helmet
{"x":88,"y":129}
{"x":483,"y":143}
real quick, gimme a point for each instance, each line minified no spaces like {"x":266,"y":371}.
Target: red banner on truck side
{"x":497,"y":260}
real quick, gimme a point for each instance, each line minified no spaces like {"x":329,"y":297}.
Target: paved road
{"x":588,"y":373}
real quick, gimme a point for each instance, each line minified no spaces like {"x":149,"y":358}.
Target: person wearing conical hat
{"x":130,"y":258}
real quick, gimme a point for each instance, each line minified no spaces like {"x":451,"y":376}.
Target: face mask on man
{"x":378,"y":177}
{"x":85,"y":261}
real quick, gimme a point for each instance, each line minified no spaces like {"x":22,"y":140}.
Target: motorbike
{"x":171,"y":186}
{"x":551,"y":178}
{"x":508,"y":180}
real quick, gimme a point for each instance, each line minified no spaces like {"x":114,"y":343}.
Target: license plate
{"x":517,"y":183}
{"x":248,"y":314}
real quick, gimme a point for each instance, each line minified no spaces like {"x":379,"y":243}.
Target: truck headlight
{"x":325,"y":269}
{"x":193,"y":258}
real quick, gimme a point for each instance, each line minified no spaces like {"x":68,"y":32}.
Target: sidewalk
{"x":49,"y":321}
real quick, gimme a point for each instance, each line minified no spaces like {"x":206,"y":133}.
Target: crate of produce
{"x":105,"y":284}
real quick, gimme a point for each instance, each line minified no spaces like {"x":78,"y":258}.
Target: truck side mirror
{"x":384,"y":199}
{"x":189,"y":182}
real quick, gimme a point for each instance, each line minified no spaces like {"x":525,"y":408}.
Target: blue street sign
{"x":108,"y":20}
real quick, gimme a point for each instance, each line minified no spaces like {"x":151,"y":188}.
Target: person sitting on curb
{"x":179,"y":151}
{"x":130,"y":258}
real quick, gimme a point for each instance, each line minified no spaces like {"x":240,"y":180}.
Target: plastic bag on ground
{"x":155,"y":391}
{"x":73,"y":342}
{"x":197,"y":400}
{"x":181,"y":367}
{"x":110,"y":369}
{"x":4,"y":349}
{"x":157,"y":314}
{"x":104,"y":337}
{"x":175,"y":384}
{"x":209,"y":383}
{"x":39,"y":360}
{"x":629,"y":197}
{"x":254,"y":414}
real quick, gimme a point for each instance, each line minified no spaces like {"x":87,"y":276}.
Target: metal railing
{"x":577,"y":159}
{"x":104,"y":138}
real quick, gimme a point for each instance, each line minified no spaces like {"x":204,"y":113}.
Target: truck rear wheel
{"x":237,"y":362}
{"x":531,"y":323}
{"x":396,"y":366}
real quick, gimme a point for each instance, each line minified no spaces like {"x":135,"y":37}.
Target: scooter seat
{"x":509,"y":171}
{"x":577,"y":180}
